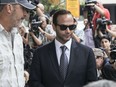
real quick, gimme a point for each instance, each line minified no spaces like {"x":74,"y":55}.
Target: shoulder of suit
{"x":80,"y":45}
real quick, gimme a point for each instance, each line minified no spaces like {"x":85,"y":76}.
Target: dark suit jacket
{"x":45,"y":69}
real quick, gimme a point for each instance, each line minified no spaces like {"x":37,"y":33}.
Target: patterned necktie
{"x":63,"y":62}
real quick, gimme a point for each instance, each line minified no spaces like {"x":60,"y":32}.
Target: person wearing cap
{"x":12,"y":12}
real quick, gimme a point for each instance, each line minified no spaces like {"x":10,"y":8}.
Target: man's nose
{"x":67,"y":30}
{"x":25,"y":13}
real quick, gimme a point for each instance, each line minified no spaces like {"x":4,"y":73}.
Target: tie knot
{"x":63,"y":48}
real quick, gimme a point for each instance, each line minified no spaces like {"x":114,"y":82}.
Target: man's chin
{"x":67,"y":39}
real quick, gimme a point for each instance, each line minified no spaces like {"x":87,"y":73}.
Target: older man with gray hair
{"x":12,"y":12}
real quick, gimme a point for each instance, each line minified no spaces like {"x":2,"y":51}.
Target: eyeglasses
{"x":64,"y":27}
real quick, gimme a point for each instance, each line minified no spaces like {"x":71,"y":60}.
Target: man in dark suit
{"x":47,"y":68}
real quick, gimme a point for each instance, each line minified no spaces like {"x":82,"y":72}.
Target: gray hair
{"x":102,"y":83}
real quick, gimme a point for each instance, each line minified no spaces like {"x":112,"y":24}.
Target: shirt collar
{"x":1,"y":28}
{"x":67,"y":44}
{"x":14,"y":30}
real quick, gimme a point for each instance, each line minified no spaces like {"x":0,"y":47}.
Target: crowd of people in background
{"x":36,"y":37}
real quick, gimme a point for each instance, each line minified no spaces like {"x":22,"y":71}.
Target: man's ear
{"x":9,"y":8}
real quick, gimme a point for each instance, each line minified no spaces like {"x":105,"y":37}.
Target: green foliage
{"x":49,"y":6}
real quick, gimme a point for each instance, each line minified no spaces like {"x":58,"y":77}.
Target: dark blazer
{"x":45,"y":69}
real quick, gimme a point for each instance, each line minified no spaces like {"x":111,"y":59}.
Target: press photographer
{"x":89,"y":8}
{"x":43,"y":32}
{"x":34,"y":31}
{"x":102,"y":23}
{"x":34,"y":27}
{"x":97,"y":10}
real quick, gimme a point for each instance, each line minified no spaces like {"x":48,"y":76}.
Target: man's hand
{"x":31,"y":33}
{"x":26,"y":76}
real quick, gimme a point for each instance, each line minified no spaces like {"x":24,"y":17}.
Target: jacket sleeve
{"x":91,"y":67}
{"x":35,"y":74}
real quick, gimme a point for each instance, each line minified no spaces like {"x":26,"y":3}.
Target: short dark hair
{"x":105,"y":37}
{"x":52,"y":12}
{"x":60,"y":12}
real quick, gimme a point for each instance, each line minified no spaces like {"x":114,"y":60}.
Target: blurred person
{"x":106,"y":66}
{"x":24,"y":33}
{"x":101,"y":61}
{"x":73,"y":66}
{"x":100,"y":11}
{"x":102,"y":83}
{"x":47,"y":28}
{"x":84,"y":36}
{"x":95,"y":10}
{"x":45,"y":32}
{"x":78,"y":34}
{"x":40,"y":10}
{"x":105,"y":42}
{"x":88,"y":35}
{"x":112,"y":32}
{"x":27,"y":53}
{"x":41,"y":7}
{"x":109,"y":70}
{"x":12,"y":12}
{"x":101,"y":32}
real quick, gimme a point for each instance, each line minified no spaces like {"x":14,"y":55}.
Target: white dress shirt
{"x":59,"y":51}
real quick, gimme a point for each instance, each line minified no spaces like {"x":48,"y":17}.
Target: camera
{"x":113,"y":53}
{"x":34,"y":2}
{"x":102,"y":22}
{"x":34,"y":25}
{"x":34,"y":28}
{"x":34,"y":22}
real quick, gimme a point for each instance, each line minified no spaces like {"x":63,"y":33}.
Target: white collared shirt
{"x":11,"y":59}
{"x":59,"y":51}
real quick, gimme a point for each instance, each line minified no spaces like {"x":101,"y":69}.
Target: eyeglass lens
{"x":64,"y":27}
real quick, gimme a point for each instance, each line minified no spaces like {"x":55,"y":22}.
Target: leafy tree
{"x":50,"y":6}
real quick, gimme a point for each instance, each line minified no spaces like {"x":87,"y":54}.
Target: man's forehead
{"x":65,"y":18}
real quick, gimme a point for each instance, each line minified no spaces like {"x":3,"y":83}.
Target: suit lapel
{"x":73,"y":58}
{"x":53,"y":57}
